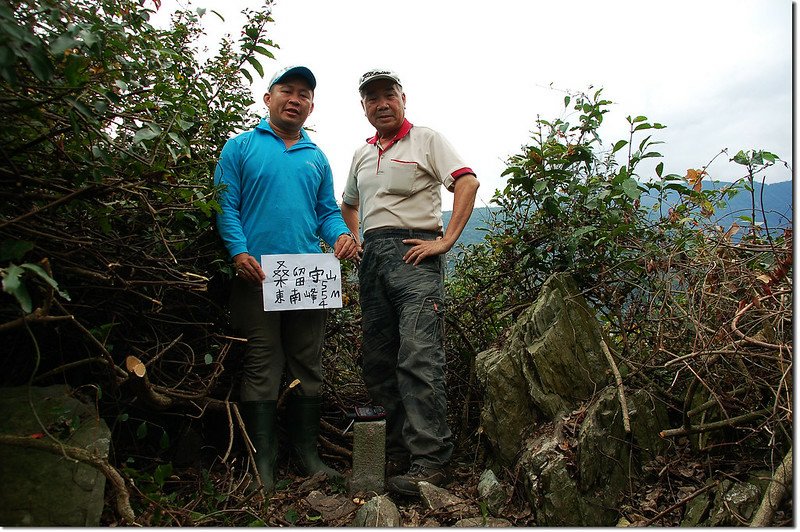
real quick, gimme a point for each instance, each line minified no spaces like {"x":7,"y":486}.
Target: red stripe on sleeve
{"x":462,"y":171}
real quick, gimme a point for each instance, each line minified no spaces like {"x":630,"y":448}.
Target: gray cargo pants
{"x":403,"y":352}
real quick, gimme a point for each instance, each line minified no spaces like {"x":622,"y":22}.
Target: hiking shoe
{"x":408,"y":484}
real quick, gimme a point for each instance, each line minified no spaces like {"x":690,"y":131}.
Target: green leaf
{"x":619,"y":145}
{"x":88,"y":37}
{"x":659,"y":169}
{"x":208,"y":358}
{"x":180,"y":140}
{"x":256,"y":65}
{"x":38,"y":270}
{"x":12,"y":284}
{"x":148,"y":132}
{"x":162,"y":473}
{"x":62,"y":44}
{"x":40,"y":64}
{"x":141,"y":432}
{"x":769,"y":157}
{"x":583,"y":230}
{"x":261,"y":50}
{"x":741,"y":158}
{"x":631,"y":188}
{"x":246,"y":74}
{"x":291,"y":516}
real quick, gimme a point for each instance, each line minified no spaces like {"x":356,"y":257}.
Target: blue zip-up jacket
{"x":275,"y":200}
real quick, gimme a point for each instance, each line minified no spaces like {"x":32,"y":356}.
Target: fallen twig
{"x":678,"y":504}
{"x":725,"y":423}
{"x":626,"y":420}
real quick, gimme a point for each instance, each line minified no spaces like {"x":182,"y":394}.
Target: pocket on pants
{"x":429,"y":322}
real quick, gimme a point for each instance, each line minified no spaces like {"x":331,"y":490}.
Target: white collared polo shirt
{"x":399,"y":185}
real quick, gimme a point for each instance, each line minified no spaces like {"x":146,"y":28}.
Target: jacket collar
{"x":265,"y":126}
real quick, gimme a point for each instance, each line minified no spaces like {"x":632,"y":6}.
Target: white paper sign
{"x":305,"y":281}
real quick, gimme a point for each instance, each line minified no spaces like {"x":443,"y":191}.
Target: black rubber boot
{"x":303,"y":418}
{"x":259,"y":419}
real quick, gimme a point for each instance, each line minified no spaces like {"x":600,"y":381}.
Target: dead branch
{"x":626,"y":420}
{"x":251,"y":449}
{"x":753,"y":341}
{"x":678,"y":504}
{"x":122,"y":498}
{"x":286,"y":391}
{"x":137,"y":372}
{"x":33,"y":317}
{"x":725,"y":423}
{"x":230,"y":429}
{"x":119,"y":374}
{"x":775,"y":492}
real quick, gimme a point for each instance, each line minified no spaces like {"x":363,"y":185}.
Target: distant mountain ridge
{"x":777,"y":203}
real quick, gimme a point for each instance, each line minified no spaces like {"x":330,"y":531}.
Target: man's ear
{"x":311,"y":110}
{"x":266,"y":98}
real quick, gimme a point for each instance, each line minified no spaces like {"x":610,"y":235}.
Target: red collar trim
{"x":404,"y":129}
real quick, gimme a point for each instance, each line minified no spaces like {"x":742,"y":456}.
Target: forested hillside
{"x":774,"y":200}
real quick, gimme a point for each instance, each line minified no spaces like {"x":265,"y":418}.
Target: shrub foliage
{"x":697,"y":313}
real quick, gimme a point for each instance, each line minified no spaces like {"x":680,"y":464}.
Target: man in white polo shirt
{"x":393,"y":193}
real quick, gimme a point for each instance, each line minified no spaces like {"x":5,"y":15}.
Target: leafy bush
{"x":112,"y":128}
{"x":696,"y":312}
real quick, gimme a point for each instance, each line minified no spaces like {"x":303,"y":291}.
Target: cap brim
{"x":376,"y":78}
{"x":297,"y":71}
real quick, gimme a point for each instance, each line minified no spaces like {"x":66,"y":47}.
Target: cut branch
{"x":137,"y":372}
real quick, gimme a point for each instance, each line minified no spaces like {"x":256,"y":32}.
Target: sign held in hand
{"x":303,"y":281}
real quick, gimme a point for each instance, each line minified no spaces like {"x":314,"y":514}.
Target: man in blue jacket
{"x":277,"y":197}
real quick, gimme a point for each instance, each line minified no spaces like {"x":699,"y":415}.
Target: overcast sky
{"x":717,"y":73}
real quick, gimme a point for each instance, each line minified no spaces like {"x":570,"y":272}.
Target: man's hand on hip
{"x":422,"y":249}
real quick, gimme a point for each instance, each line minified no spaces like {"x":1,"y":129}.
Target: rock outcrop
{"x":39,"y":488}
{"x":550,"y":410}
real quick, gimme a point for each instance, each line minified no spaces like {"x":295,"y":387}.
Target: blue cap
{"x":295,"y":70}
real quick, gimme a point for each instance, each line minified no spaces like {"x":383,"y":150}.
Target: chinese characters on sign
{"x":309,"y":281}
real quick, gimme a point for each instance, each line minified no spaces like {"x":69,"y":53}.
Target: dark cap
{"x":294,"y":70}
